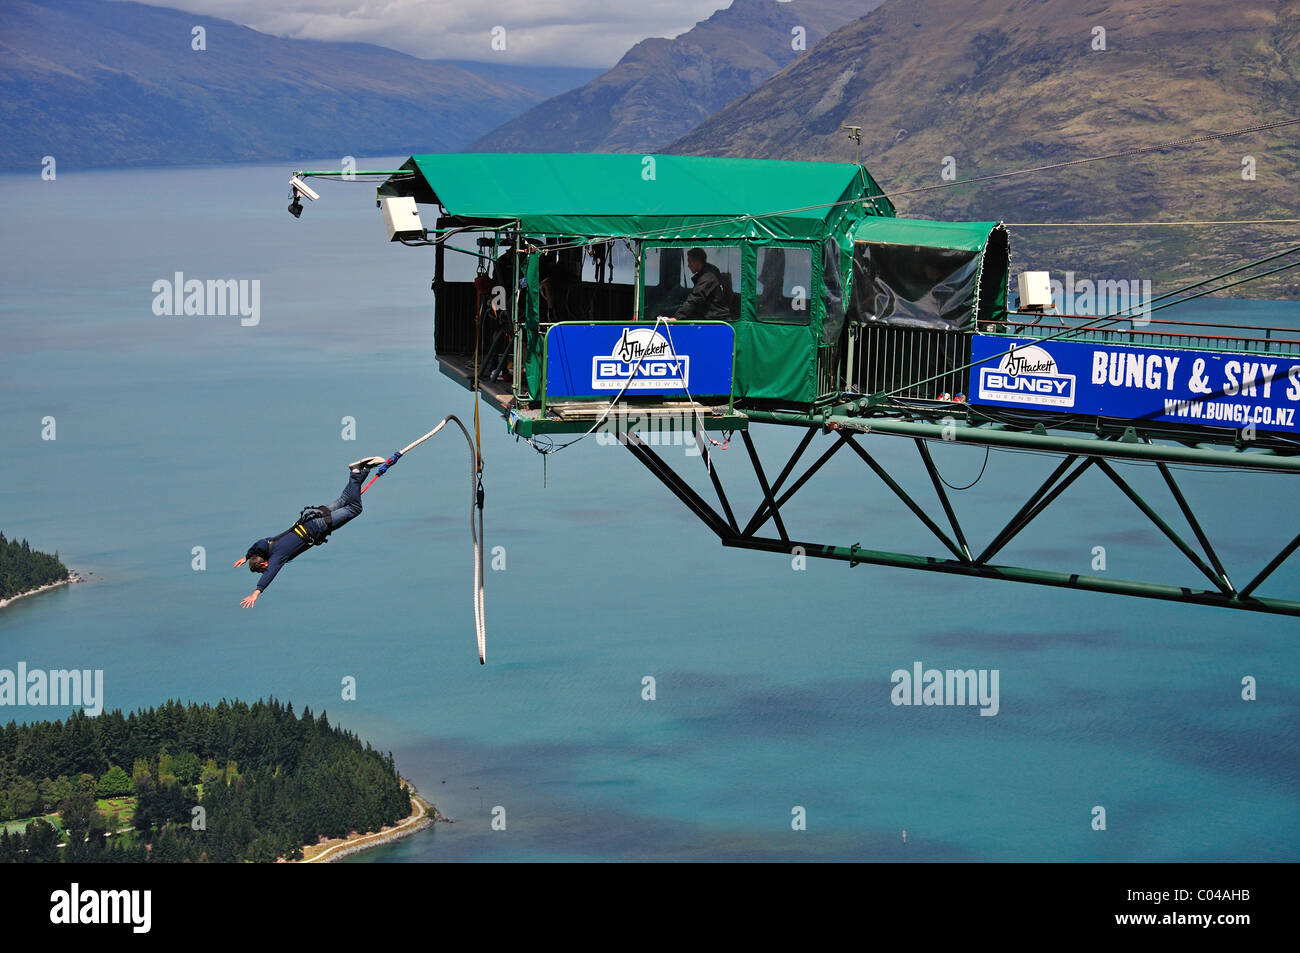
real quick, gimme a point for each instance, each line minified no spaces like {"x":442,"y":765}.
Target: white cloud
{"x":593,"y":33}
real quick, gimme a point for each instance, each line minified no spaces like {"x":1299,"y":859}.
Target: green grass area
{"x":20,"y":825}
{"x":124,"y":807}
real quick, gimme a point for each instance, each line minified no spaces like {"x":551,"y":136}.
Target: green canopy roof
{"x":963,"y":236}
{"x":599,"y":194}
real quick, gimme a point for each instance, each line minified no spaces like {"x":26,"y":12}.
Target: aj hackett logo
{"x":644,"y":355}
{"x":1027,"y":375}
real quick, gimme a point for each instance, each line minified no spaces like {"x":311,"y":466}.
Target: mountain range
{"x":661,"y":88}
{"x":943,"y":92}
{"x":1015,"y":84}
{"x":94,"y":83}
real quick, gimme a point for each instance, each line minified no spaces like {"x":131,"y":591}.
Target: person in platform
{"x":710,"y":296}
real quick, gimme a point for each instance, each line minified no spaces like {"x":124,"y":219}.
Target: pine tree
{"x":114,"y":783}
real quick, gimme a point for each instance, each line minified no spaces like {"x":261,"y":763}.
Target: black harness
{"x":313,"y":513}
{"x":300,"y":530}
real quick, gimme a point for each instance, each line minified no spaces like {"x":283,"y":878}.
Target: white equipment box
{"x":1035,"y":289}
{"x":401,"y":218}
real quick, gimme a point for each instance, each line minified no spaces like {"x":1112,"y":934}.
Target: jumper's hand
{"x":249,"y":601}
{"x":242,"y":560}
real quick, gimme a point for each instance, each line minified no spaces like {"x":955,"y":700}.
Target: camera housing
{"x":302,"y":188}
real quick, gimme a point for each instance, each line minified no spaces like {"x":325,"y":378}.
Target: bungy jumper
{"x":475,"y":514}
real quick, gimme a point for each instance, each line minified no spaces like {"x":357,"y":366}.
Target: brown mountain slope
{"x":661,"y":88}
{"x":94,"y":83}
{"x":1010,"y":84}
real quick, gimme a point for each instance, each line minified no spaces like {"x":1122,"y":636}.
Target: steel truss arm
{"x":1224,"y":595}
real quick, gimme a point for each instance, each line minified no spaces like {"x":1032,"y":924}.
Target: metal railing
{"x":453,"y":319}
{"x":883,"y":358}
{"x":1155,"y":332}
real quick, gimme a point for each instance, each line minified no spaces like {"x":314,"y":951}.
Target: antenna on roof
{"x":855,"y":133}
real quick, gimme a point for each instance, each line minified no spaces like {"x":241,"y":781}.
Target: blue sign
{"x":1210,"y":388}
{"x":599,"y":360}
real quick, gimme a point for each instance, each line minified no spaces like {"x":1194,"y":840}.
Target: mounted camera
{"x":297,"y":189}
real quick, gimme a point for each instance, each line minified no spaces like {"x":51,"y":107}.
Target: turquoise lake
{"x":772,"y":685}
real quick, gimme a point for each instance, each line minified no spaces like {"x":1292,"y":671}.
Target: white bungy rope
{"x":475,"y":529}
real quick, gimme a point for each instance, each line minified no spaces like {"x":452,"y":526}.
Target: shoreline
{"x":72,"y":578}
{"x":423,"y":815}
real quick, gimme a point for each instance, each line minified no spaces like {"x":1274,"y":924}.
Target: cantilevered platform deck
{"x":577,"y":416}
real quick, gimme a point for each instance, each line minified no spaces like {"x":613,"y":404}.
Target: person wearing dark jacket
{"x":269,"y":554}
{"x":710,"y":298}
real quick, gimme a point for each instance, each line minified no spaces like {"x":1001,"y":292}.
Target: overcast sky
{"x":542,"y":32}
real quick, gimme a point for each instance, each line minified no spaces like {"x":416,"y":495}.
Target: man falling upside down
{"x":268,"y":555}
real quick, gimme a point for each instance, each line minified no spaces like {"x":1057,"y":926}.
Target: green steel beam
{"x":762,"y":482}
{"x":669,"y":478}
{"x":963,"y":565}
{"x":523,"y":425}
{"x":1045,"y":443}
{"x":1041,"y":499}
{"x":1147,"y":590}
{"x":1195,"y":524}
{"x":794,"y":458}
{"x":899,"y":492}
{"x":1162,"y":525}
{"x":1267,"y":571}
{"x":939,"y":490}
{"x":317,"y":172}
{"x":761,"y":514}
{"x":702,"y":441}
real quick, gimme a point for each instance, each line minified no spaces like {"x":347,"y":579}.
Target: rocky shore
{"x":73,"y":576}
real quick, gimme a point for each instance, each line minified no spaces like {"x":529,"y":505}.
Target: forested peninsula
{"x":229,"y":782}
{"x":24,"y":570}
